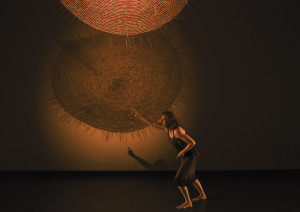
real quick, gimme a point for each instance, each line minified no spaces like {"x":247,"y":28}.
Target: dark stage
{"x":238,"y":99}
{"x":148,"y":191}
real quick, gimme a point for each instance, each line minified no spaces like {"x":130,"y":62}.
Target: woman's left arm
{"x":180,"y":133}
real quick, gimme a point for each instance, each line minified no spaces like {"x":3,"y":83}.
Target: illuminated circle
{"x":98,"y":82}
{"x":125,"y":17}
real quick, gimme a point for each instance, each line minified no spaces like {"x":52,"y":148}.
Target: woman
{"x":188,"y":155}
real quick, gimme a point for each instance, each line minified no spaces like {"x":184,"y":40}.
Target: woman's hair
{"x":172,"y":122}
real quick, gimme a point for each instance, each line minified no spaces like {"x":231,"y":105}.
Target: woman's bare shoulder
{"x":179,"y":131}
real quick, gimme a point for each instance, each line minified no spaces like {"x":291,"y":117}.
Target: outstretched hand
{"x":134,"y":112}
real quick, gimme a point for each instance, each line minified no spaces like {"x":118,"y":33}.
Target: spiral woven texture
{"x":125,"y":17}
{"x":98,"y":82}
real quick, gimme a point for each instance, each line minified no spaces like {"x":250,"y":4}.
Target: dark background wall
{"x":248,"y":52}
{"x":245,"y":114}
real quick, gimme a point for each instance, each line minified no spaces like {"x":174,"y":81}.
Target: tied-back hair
{"x":172,"y":122}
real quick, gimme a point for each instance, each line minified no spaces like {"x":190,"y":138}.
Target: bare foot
{"x":185,"y":205}
{"x":200,"y":197}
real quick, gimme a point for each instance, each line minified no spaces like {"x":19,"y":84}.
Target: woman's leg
{"x":185,"y":194}
{"x":198,"y":186}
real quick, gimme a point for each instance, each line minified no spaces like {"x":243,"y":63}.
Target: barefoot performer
{"x":188,"y":155}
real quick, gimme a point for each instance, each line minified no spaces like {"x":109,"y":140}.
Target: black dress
{"x":186,"y":172}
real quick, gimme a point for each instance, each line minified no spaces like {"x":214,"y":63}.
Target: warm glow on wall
{"x":85,"y":71}
{"x":125,"y":17}
{"x":98,"y":82}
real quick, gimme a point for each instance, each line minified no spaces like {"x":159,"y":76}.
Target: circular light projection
{"x":98,"y":82}
{"x":125,"y":17}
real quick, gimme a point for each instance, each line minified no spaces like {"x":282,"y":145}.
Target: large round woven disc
{"x":125,"y":17}
{"x":98,"y":82}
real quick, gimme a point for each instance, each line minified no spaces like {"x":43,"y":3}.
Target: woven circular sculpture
{"x":98,"y":82}
{"x":125,"y":17}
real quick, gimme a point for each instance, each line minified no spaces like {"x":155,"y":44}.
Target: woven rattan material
{"x":98,"y":82}
{"x":125,"y":17}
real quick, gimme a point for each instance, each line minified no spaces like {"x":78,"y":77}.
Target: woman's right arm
{"x":147,"y":121}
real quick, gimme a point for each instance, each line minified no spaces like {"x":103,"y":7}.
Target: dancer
{"x":188,"y":155}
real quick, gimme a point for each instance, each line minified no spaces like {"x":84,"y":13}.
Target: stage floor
{"x":227,"y":191}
